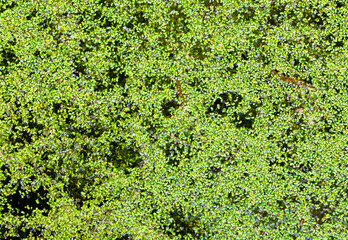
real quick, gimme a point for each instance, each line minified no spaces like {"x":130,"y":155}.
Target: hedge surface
{"x":161,"y":119}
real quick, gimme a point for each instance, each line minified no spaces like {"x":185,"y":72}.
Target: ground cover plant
{"x":161,"y":119}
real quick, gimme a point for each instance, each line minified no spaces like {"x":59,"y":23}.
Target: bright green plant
{"x":173,"y":119}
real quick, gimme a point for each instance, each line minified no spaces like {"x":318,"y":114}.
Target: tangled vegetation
{"x":163,"y":119}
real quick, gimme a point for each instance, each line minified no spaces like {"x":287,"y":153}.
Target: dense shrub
{"x":166,"y":119}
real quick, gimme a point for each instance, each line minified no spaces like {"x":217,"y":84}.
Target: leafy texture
{"x":173,"y":119}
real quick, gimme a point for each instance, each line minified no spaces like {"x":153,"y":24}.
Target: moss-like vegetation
{"x":173,"y":119}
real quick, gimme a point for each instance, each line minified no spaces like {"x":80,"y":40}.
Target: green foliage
{"x":162,"y":119}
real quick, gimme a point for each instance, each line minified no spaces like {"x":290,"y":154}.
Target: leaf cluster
{"x":210,"y":119}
